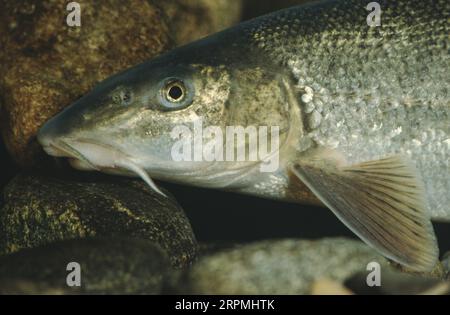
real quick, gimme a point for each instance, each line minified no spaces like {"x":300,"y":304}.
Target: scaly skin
{"x":371,"y":92}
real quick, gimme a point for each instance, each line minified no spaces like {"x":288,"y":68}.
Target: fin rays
{"x":382,"y":202}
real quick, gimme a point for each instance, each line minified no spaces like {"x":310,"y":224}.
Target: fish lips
{"x":85,"y":154}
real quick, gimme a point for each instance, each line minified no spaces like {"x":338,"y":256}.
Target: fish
{"x":361,"y":111}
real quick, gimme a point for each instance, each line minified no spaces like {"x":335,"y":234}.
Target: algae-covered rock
{"x":125,"y":266}
{"x":193,"y":19}
{"x":7,"y":169}
{"x":46,"y":64}
{"x":41,"y":209}
{"x":278,"y":267}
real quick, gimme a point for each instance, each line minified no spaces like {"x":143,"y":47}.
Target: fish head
{"x":141,"y":119}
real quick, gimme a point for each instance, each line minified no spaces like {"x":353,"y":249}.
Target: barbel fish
{"x":362,"y":112}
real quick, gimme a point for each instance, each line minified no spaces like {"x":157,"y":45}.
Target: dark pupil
{"x":175,"y":92}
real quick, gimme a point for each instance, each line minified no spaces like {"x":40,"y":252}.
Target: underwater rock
{"x":328,"y":287}
{"x":7,"y":168}
{"x":278,"y":267}
{"x":46,"y":64}
{"x":394,"y":282}
{"x":106,"y":266}
{"x":41,"y":209}
{"x":194,"y":19}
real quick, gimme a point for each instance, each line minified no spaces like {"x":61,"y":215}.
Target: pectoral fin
{"x":382,"y":202}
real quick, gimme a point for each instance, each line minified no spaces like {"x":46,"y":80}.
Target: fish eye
{"x":175,"y":94}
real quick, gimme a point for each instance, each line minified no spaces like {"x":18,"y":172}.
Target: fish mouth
{"x":62,"y":149}
{"x":89,"y":155}
{"x":85,"y":154}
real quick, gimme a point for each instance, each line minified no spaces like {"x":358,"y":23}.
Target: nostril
{"x":60,"y":127}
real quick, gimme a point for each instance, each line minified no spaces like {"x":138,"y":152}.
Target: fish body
{"x":372,"y":92}
{"x":362,"y":116}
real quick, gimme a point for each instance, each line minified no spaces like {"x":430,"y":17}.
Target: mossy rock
{"x":40,"y":209}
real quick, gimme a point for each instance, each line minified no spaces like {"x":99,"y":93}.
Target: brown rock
{"x":46,"y":65}
{"x":194,"y":19}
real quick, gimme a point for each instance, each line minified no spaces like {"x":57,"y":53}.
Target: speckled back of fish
{"x":371,"y":91}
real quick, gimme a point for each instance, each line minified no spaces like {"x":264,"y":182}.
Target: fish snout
{"x":65,"y":124}
{"x":46,"y":135}
{"x":49,"y":132}
{"x":51,"y":135}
